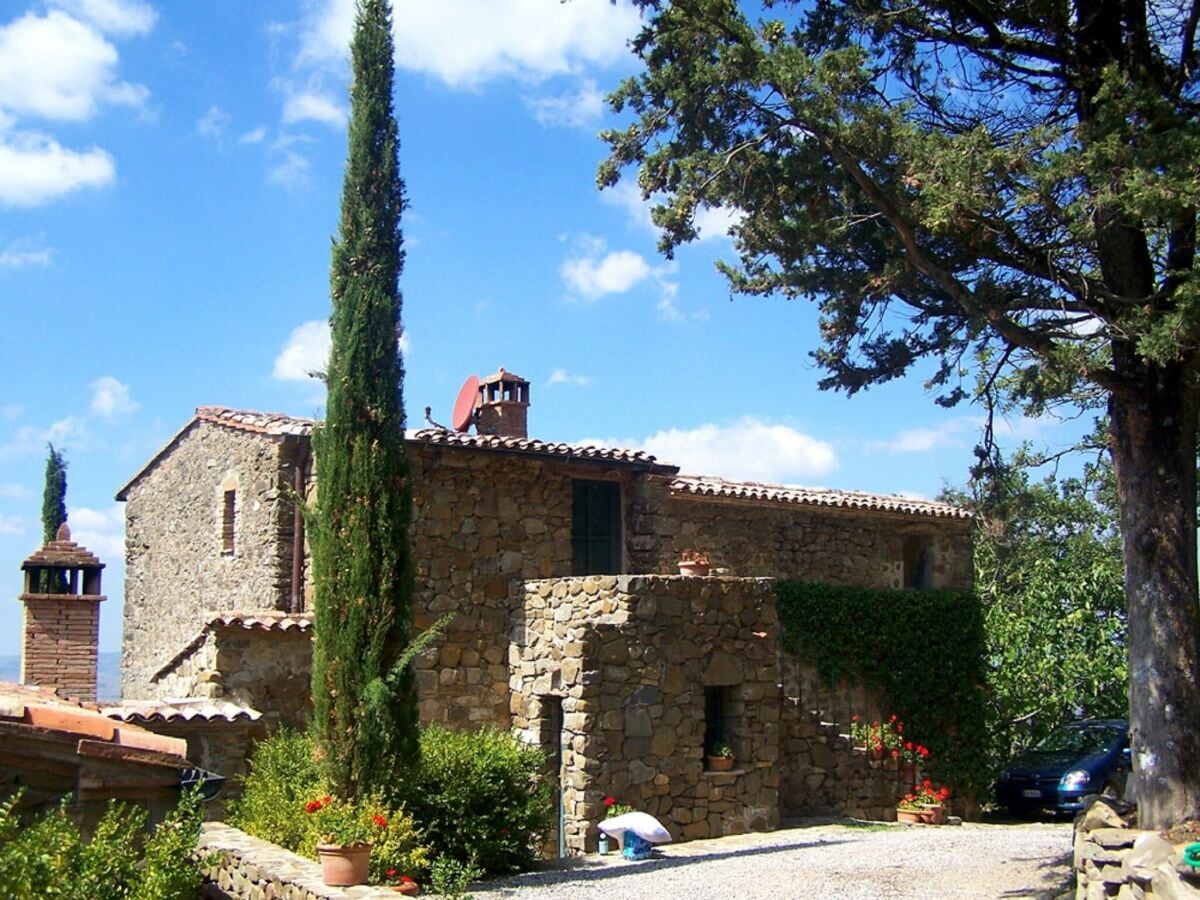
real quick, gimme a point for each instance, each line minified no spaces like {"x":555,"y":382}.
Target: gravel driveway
{"x":821,"y":860}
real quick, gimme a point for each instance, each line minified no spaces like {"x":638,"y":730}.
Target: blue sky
{"x":169,"y":184}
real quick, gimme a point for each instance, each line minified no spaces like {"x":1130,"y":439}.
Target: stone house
{"x":571,"y":625}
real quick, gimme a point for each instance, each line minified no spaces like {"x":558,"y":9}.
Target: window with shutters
{"x":596,"y":528}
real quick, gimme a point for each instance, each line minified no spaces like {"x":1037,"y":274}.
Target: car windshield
{"x":1084,"y":741}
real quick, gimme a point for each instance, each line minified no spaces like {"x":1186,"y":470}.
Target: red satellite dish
{"x":464,"y":406}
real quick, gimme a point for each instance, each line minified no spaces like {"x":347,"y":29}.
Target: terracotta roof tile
{"x":188,"y":709}
{"x":545,"y":448}
{"x":702,"y":486}
{"x":260,"y":423}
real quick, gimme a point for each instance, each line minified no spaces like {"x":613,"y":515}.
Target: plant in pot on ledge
{"x":720,"y":757}
{"x":347,"y":832}
{"x":694,"y":562}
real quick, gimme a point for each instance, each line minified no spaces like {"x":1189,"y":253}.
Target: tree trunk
{"x":1153,"y":442}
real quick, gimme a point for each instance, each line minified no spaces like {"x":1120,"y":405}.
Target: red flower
{"x":854,"y":718}
{"x":924,"y":751}
{"x":379,"y":820}
{"x":895,"y":754}
{"x":893,"y":718}
{"x":610,"y":801}
{"x":312,"y":806}
{"x":927,"y":784}
{"x":908,"y":746}
{"x":391,"y":873}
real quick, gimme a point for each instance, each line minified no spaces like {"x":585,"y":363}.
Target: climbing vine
{"x":922,"y":650}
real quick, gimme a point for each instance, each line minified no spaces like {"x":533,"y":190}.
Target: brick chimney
{"x":62,"y":617}
{"x":503,"y":405}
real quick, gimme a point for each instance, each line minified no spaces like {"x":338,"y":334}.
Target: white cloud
{"x":748,"y":449}
{"x":593,"y":273}
{"x":309,"y":106}
{"x":100,"y":530}
{"x":56,"y":67}
{"x":562,"y":376}
{"x":120,"y":17}
{"x":467,"y":42}
{"x":291,"y":171}
{"x":11,"y":525}
{"x":254,"y":136}
{"x":13,"y":490}
{"x":12,"y":411}
{"x":24,"y":252}
{"x":35,"y":168}
{"x":306,"y":350}
{"x":711,"y":221}
{"x":577,"y":110}
{"x":110,"y":398}
{"x":213,"y":123}
{"x":67,"y":433}
{"x":715,"y":221}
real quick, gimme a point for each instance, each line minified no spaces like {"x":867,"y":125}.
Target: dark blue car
{"x":1087,"y":757}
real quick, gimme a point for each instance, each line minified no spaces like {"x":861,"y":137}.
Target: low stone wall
{"x":824,"y":775}
{"x":1114,"y":860}
{"x":253,"y":869}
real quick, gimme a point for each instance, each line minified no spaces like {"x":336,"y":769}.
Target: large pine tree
{"x":364,"y":703}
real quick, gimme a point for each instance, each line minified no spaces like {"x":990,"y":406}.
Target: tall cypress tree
{"x":364,"y":702}
{"x":54,"y":497}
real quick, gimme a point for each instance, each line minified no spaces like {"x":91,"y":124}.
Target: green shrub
{"x":282,"y":777}
{"x":49,"y":858}
{"x":481,"y":798}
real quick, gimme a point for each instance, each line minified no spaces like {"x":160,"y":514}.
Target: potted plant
{"x":926,"y":804}
{"x":912,"y":755}
{"x":694,"y":562}
{"x":346,"y":831}
{"x":720,"y":757}
{"x":882,"y":739}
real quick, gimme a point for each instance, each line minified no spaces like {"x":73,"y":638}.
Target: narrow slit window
{"x":228,"y":518}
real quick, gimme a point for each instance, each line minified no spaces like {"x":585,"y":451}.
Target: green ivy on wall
{"x":922,"y":650}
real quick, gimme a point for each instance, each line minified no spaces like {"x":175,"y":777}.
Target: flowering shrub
{"x":882,"y":737}
{"x":613,"y":808}
{"x":925,"y":795}
{"x":342,"y":823}
{"x":699,"y":557}
{"x":913,"y":752}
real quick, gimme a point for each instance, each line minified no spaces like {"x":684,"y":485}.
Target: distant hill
{"x":108,"y":685}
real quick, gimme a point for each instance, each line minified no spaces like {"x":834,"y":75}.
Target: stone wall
{"x":266,"y":670}
{"x":175,"y":568}
{"x":1113,"y":859}
{"x":784,"y":540}
{"x":821,"y":773}
{"x":247,"y":868}
{"x":628,"y":659}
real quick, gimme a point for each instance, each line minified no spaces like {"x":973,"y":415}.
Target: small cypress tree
{"x":364,"y":699}
{"x":54,"y":497}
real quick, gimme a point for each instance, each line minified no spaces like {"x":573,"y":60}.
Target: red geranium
{"x":312,"y":806}
{"x":379,"y":820}
{"x":609,"y":801}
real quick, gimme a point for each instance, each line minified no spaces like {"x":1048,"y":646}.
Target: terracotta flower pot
{"x":912,"y":816}
{"x":875,"y":753}
{"x":408,"y":889}
{"x":933,"y":815}
{"x":693,"y":568}
{"x":910,"y":772}
{"x":343,"y":866}
{"x":719,"y":763}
